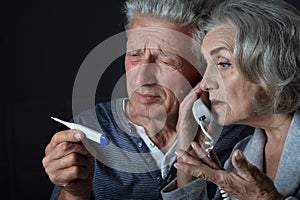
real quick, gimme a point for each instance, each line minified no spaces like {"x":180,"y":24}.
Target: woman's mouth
{"x":216,"y":104}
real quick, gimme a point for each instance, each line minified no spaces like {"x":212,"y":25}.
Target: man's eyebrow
{"x":167,"y":53}
{"x":131,"y":48}
{"x":217,"y":50}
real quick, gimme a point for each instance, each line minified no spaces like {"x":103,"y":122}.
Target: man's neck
{"x":160,"y":129}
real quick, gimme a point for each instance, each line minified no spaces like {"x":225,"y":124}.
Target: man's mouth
{"x":147,"y":98}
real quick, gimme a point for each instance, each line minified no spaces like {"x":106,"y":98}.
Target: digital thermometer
{"x":100,"y":138}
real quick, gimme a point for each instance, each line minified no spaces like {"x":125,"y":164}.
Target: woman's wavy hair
{"x":267,"y":49}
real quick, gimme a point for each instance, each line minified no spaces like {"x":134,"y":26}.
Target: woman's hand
{"x":247,"y":183}
{"x":187,"y":127}
{"x":187,"y":131}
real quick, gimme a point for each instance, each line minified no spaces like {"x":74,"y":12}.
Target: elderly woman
{"x":252,"y":51}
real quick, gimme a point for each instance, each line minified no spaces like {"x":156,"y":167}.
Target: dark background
{"x":42,"y":45}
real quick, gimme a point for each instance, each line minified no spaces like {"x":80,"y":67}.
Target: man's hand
{"x":69,"y":165}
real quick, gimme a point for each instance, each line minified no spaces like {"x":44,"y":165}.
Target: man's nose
{"x":149,"y":57}
{"x":147,"y":73}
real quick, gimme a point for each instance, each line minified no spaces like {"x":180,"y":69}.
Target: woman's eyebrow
{"x":217,"y":50}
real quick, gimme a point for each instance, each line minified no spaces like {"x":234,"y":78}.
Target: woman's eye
{"x":223,"y":65}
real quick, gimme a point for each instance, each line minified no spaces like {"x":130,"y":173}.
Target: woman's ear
{"x":261,"y":95}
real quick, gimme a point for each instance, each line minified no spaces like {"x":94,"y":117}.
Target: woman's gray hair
{"x":267,"y":49}
{"x":192,"y":13}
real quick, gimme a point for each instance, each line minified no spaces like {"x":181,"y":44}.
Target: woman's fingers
{"x":200,"y":151}
{"x":197,"y":169}
{"x":209,"y":158}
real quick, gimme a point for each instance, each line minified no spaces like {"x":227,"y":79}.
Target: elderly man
{"x":161,"y":63}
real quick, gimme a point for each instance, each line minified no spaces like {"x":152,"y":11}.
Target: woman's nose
{"x":210,"y":79}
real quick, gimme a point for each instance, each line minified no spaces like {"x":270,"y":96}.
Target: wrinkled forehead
{"x":164,"y":39}
{"x":220,"y":37}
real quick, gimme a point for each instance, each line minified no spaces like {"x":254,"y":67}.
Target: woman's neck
{"x":274,"y":125}
{"x":276,"y":128}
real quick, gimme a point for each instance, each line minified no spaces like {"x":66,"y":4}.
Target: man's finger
{"x":65,"y":148}
{"x":71,"y":135}
{"x":66,"y":176}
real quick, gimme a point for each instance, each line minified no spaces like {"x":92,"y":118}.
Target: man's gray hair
{"x":191,"y":13}
{"x":267,"y":48}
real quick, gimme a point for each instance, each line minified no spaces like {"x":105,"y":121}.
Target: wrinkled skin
{"x":157,"y":81}
{"x":188,"y":130}
{"x":231,"y":97}
{"x":193,"y":162}
{"x":69,"y":164}
{"x":248,"y":183}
